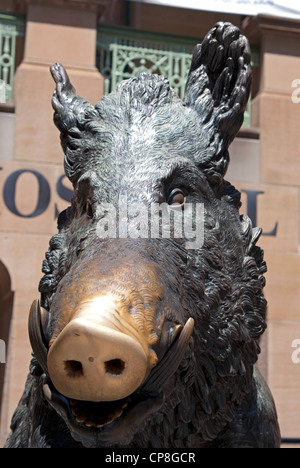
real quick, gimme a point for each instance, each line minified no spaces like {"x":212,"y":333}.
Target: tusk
{"x":37,"y":326}
{"x":169,"y":364}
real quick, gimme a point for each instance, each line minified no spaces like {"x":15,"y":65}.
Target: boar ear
{"x":218,"y":88}
{"x":74,"y":117}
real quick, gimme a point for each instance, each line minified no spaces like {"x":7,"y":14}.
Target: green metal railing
{"x":123,"y":52}
{"x":11,"y":27}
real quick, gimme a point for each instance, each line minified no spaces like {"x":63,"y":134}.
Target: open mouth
{"x":101,"y":424}
{"x":107,"y":422}
{"x":85,"y":413}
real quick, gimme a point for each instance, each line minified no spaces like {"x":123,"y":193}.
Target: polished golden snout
{"x":100,"y":355}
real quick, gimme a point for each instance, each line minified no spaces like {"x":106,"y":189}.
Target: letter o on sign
{"x":9,"y":193}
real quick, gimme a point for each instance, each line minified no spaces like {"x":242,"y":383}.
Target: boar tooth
{"x":110,"y":418}
{"x":118,"y":412}
{"x":80,"y":418}
{"x":76,"y":410}
{"x":37,"y":318}
{"x":100,"y":421}
{"x":167,"y":367}
{"x":89,"y":423}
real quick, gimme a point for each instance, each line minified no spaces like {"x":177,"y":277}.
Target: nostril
{"x":73,"y":368}
{"x":114,"y":367}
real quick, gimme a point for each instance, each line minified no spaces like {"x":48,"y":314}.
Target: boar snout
{"x":99,"y":356}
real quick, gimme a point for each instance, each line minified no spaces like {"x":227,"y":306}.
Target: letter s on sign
{"x":296,"y":93}
{"x":296,"y":353}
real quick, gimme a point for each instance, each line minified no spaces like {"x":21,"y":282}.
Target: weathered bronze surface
{"x":144,"y":340}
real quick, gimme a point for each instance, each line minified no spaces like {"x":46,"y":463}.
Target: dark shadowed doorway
{"x":6,"y":304}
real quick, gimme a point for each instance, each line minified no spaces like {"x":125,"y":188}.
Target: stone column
{"x":56,"y":31}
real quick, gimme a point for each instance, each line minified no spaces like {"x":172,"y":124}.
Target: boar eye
{"x":176,"y":196}
{"x":89,"y":209}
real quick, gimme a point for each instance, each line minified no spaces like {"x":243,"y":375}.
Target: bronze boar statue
{"x":146,"y":334}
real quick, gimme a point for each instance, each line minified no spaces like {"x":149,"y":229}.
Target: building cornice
{"x":255,"y":27}
{"x":21,"y":6}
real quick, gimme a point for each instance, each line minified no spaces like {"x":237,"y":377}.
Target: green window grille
{"x":124,"y":52}
{"x":11,"y":27}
